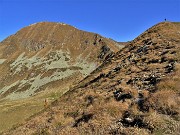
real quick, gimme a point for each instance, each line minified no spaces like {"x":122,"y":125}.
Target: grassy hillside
{"x":136,"y":91}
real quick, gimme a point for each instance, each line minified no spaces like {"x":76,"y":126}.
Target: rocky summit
{"x":132,"y":91}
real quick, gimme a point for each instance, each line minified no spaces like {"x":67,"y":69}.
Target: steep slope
{"x":45,"y":52}
{"x":134,"y":92}
{"x":42,"y":61}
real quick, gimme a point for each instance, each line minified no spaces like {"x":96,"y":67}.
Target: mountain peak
{"x":50,"y":24}
{"x":50,"y":47}
{"x":47,"y":23}
{"x":167,"y":29}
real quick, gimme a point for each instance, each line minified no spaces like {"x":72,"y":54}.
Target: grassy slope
{"x":43,"y":49}
{"x":14,"y":112}
{"x":92,"y":107}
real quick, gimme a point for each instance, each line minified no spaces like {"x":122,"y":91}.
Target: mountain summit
{"x":47,"y":52}
{"x":42,"y":62}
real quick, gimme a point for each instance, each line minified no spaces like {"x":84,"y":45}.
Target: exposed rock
{"x":84,"y":118}
{"x":120,"y":95}
{"x":169,"y":68}
{"x":134,"y":121}
{"x":104,"y":51}
{"x":89,"y":99}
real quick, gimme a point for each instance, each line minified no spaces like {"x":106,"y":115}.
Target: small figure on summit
{"x":165,"y":19}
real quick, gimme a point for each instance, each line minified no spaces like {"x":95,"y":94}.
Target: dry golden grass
{"x":13,"y":113}
{"x":171,"y":82}
{"x":20,"y":110}
{"x":166,"y":102}
{"x":107,"y":113}
{"x":167,"y":126}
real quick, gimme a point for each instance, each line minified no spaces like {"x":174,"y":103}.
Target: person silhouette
{"x":165,"y":19}
{"x":45,"y":102}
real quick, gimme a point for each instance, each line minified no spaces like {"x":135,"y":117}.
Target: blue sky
{"x":121,"y":20}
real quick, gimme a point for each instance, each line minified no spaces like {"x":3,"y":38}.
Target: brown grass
{"x":12,"y":112}
{"x":166,"y":101}
{"x":107,"y":112}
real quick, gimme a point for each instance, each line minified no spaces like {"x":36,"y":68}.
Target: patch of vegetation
{"x":42,"y":132}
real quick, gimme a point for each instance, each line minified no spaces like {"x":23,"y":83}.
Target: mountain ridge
{"x":37,"y":62}
{"x":135,"y":91}
{"x":28,"y":45}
